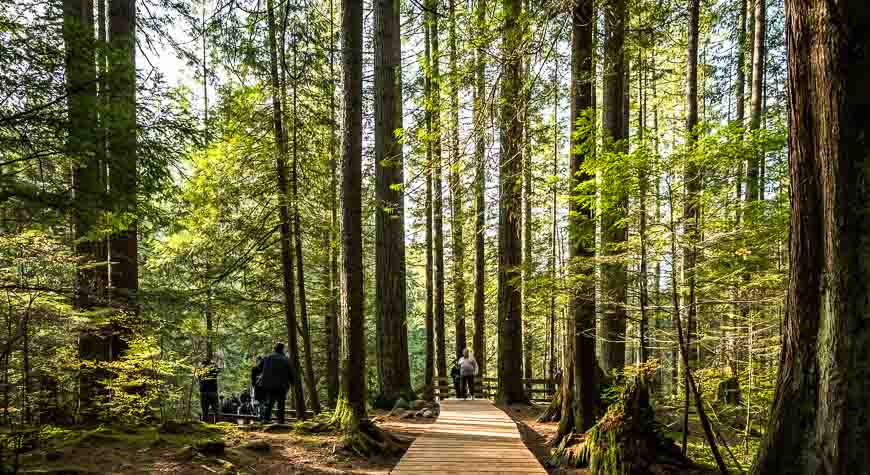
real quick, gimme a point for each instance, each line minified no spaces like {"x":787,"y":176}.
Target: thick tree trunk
{"x":390,"y":298}
{"x":88,"y":188}
{"x":429,"y":371}
{"x":479,"y":192}
{"x":352,"y":405}
{"x":615,"y":278}
{"x":331,"y":326}
{"x":754,"y":189}
{"x":284,"y":209}
{"x":457,"y":195}
{"x":581,"y":227}
{"x":510,"y":318}
{"x":820,"y":419}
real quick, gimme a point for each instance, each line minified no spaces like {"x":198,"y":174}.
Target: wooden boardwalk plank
{"x":469,"y":437}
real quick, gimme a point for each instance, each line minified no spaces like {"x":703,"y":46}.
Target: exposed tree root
{"x":627,"y":440}
{"x":360,"y":436}
{"x":554,"y":410}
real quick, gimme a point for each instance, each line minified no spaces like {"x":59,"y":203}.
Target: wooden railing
{"x":538,"y":390}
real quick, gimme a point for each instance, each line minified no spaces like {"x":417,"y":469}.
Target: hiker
{"x":208,"y":389}
{"x":246,"y":408}
{"x":454,"y":374}
{"x":259,"y":393}
{"x":276,"y":376}
{"x":467,"y":370}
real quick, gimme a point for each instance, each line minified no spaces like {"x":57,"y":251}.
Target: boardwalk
{"x":469,"y":437}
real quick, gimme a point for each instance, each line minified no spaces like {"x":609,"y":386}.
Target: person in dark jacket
{"x":208,"y":389}
{"x":276,"y":376}
{"x":259,"y":393}
{"x":454,"y":374}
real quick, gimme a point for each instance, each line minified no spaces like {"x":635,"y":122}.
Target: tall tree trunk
{"x":510,"y":318}
{"x":457,"y":195}
{"x":429,"y":374}
{"x":820,"y":417}
{"x":581,"y":225}
{"x":479,"y":192}
{"x":390,"y":299}
{"x":641,"y":71}
{"x":528,"y":263}
{"x":310,"y":380}
{"x":614,"y":284}
{"x":551,"y":369}
{"x":284,"y":209}
{"x":437,"y":190}
{"x":352,"y":403}
{"x":754,"y":189}
{"x":691,"y":210}
{"x":331,"y":324}
{"x":88,"y":187}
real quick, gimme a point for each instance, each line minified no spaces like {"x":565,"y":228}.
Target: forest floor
{"x":248,"y":449}
{"x":537,"y":436}
{"x":281,"y":450}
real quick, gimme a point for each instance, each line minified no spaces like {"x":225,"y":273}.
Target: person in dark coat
{"x":276,"y":376}
{"x":208,"y":389}
{"x":454,"y":374}
{"x":246,"y":408}
{"x":259,"y":392}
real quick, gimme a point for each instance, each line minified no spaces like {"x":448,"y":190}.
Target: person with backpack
{"x":467,"y":371}
{"x":275,"y":378}
{"x":259,"y":392}
{"x":208,"y":389}
{"x":454,"y":375}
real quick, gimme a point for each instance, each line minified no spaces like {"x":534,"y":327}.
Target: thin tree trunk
{"x":753,"y":187}
{"x":331,"y":326}
{"x":643,"y":204}
{"x":457,"y":194}
{"x":429,"y":375}
{"x":682,"y":344}
{"x":479,"y":192}
{"x":691,"y":210}
{"x":820,"y":416}
{"x":284,"y":209}
{"x":510,"y":318}
{"x":528,"y":263}
{"x":310,"y":379}
{"x":390,"y":297}
{"x":437,"y":190}
{"x":551,"y":369}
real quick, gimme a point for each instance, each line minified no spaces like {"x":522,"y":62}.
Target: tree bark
{"x":615,"y":278}
{"x":820,"y":417}
{"x":354,"y":374}
{"x":390,"y":296}
{"x":510,"y":318}
{"x":528,"y":263}
{"x":429,"y":374}
{"x":691,"y":208}
{"x":581,"y":229}
{"x":479,"y":192}
{"x":310,"y":379}
{"x":754,"y":189}
{"x":277,"y":91}
{"x":457,"y":195}
{"x":331,"y":324}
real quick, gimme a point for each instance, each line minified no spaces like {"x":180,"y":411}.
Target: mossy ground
{"x":155,"y":449}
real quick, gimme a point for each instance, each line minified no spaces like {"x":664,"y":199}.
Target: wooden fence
{"x":538,"y":390}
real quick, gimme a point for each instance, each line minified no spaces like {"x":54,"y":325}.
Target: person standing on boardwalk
{"x":208,"y":389}
{"x":275,"y":377}
{"x":467,"y":371}
{"x":454,"y":375}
